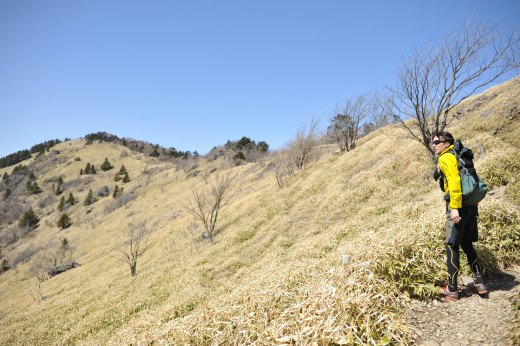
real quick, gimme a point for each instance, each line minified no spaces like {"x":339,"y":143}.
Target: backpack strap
{"x":460,"y":162}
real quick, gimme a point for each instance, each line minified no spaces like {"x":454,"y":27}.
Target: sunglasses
{"x":437,"y":141}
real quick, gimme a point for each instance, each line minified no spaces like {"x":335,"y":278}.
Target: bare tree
{"x":283,"y":167}
{"x":40,"y":266}
{"x":134,"y":245}
{"x":345,"y":126}
{"x":298,"y":153}
{"x":207,"y":202}
{"x":382,"y":115}
{"x":300,"y":149}
{"x":432,"y":81}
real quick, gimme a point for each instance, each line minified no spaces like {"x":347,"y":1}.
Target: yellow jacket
{"x":449,"y":168}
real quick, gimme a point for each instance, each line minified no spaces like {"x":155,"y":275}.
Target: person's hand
{"x":455,"y":216}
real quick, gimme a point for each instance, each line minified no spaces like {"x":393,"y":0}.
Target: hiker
{"x":461,"y":220}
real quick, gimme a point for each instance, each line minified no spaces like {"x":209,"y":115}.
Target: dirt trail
{"x":473,"y":320}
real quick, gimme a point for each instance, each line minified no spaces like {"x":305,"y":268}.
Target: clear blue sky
{"x":193,"y":74}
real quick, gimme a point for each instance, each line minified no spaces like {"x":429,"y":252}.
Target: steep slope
{"x":331,"y":258}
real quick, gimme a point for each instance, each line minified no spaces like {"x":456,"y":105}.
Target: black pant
{"x":453,"y":261}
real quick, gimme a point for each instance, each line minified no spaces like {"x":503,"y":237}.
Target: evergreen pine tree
{"x":65,"y":249}
{"x":71,"y":200}
{"x":64,"y":221}
{"x":36,"y":188}
{"x":93,"y":170}
{"x":106,"y":166}
{"x":122,"y":170}
{"x":126,"y":178}
{"x":62,"y":203}
{"x":29,"y":219}
{"x":7,"y":193}
{"x":59,"y":187}
{"x":5,"y":176}
{"x":81,"y":171}
{"x":116,"y":190}
{"x":155,"y":153}
{"x":4,"y":265}
{"x":33,"y":188}
{"x":88,"y":169}
{"x":262,"y":146}
{"x":90,"y":198}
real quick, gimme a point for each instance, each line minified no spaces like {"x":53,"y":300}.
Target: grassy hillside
{"x":277,"y":272}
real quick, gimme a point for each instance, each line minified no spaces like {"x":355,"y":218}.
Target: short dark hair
{"x":445,"y":136}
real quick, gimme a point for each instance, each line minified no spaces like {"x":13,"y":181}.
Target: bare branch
{"x":345,"y":126}
{"x":207,"y":202}
{"x":134,"y":245}
{"x":432,"y":81}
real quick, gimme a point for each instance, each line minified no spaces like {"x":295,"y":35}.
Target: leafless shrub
{"x":25,"y":255}
{"x":253,"y":155}
{"x":9,"y":235}
{"x":207,"y":201}
{"x":267,"y":169}
{"x":51,"y":255}
{"x":283,"y":167}
{"x":121,"y":200}
{"x":51,"y":180}
{"x":103,"y":192}
{"x":149,"y":173}
{"x":39,"y":268}
{"x":11,"y":211}
{"x":45,"y":202}
{"x":25,"y":230}
{"x":134,"y":245}
{"x":17,"y":182}
{"x":300,"y":150}
{"x":155,"y":170}
{"x":70,"y":184}
{"x":187,"y":165}
{"x":57,"y":252}
{"x":207,"y":173}
{"x":87,"y":179}
{"x":298,"y":153}
{"x":215,"y":153}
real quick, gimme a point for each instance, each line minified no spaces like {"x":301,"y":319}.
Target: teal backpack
{"x":474,"y":189}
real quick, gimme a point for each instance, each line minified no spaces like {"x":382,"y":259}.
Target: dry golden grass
{"x":274,"y":274}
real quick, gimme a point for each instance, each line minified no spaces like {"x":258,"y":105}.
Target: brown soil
{"x":473,"y":320}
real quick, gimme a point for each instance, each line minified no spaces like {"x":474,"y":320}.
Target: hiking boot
{"x":449,"y":295}
{"x":479,"y":289}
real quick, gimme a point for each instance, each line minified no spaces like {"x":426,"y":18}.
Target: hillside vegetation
{"x":333,"y":257}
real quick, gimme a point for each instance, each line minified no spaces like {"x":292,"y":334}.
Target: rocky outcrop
{"x":62,"y":268}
